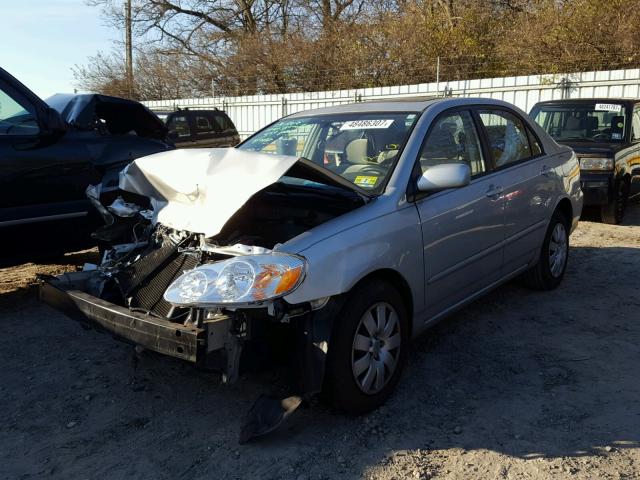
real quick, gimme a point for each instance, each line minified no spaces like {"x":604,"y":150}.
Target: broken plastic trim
{"x":123,"y":209}
{"x":93,"y":194}
{"x":266,"y":415}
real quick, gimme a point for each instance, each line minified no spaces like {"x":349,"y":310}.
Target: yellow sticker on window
{"x":366,"y":181}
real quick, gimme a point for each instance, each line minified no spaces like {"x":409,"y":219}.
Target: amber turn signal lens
{"x":289,"y":280}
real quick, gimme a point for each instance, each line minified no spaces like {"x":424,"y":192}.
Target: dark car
{"x":52,"y":150}
{"x":605,"y":134}
{"x":200,"y":128}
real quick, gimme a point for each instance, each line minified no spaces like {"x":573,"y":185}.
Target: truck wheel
{"x":554,"y":254}
{"x":368,"y":349}
{"x":613,"y":212}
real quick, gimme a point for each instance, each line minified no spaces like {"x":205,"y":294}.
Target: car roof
{"x":589,"y":100}
{"x":404,"y":104}
{"x":198,"y":110}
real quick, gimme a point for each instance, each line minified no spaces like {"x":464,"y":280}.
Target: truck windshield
{"x":360,"y":147}
{"x":587,"y":122}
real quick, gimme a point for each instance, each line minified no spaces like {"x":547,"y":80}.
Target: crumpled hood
{"x":120,"y":115}
{"x":198,"y":190}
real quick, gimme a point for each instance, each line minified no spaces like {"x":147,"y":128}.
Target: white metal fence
{"x":252,"y":112}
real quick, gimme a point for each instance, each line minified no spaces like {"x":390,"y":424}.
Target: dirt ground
{"x":520,"y":384}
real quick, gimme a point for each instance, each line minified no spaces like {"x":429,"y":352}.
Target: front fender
{"x":391,"y":241}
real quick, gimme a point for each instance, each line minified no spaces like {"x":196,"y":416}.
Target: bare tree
{"x":182,"y":47}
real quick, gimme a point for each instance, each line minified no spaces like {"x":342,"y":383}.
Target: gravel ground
{"x":520,"y":384}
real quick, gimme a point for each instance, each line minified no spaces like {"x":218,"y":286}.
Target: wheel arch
{"x":398,"y":281}
{"x":564,"y":206}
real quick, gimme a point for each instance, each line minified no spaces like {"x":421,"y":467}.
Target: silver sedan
{"x":341,"y":233}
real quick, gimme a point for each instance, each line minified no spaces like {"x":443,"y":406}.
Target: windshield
{"x":587,"y":122}
{"x":360,"y":147}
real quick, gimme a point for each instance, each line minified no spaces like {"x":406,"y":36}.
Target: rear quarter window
{"x":224,"y":122}
{"x":179,"y":125}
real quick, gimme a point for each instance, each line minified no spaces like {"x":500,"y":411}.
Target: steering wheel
{"x":602,"y":136}
{"x":372,"y":169}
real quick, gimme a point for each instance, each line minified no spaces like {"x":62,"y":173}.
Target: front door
{"x":462,"y":229}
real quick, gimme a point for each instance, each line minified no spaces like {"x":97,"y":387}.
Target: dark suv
{"x":200,"y":128}
{"x":605,"y":134}
{"x":51,"y":151}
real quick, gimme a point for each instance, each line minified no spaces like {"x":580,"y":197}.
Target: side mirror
{"x":53,"y":123}
{"x":443,"y":176}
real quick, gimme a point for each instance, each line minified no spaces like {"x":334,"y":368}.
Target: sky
{"x":43,"y":39}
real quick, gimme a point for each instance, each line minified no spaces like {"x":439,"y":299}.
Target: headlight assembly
{"x":237,"y":281}
{"x":596,"y":163}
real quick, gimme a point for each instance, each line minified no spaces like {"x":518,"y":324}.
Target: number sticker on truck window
{"x":608,"y":107}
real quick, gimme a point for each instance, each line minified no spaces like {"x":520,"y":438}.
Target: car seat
{"x":592,"y":126}
{"x":574,"y":127}
{"x":356,"y":154}
{"x":441,"y":146}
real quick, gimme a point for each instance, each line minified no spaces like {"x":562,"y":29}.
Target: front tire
{"x":367,"y":350}
{"x":554,"y":255}
{"x":613,"y":213}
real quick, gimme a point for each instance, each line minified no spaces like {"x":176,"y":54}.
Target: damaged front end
{"x":216,"y":299}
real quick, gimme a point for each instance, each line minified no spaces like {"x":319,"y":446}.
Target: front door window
{"x":16,"y":119}
{"x":453,"y":139}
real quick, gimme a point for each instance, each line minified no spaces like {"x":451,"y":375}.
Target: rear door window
{"x":205,"y":124}
{"x":178,"y":126}
{"x":224,"y":123}
{"x":506,"y":136}
{"x":536,"y":148}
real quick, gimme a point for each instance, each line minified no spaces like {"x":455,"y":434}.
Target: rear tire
{"x":613,"y":213}
{"x":368,"y":349}
{"x":554,"y":255}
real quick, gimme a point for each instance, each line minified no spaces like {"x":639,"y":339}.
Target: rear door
{"x":180,"y":130}
{"x":529,"y":179}
{"x":206,"y":130}
{"x":462,"y":228}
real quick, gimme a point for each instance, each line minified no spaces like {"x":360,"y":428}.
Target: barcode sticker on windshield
{"x":362,"y":124}
{"x":609,"y":107}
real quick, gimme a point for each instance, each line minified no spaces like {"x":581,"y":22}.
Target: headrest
{"x":573,"y":123}
{"x":356,"y":151}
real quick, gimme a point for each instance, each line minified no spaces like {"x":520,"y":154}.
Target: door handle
{"x":546,"y":171}
{"x":494,"y":192}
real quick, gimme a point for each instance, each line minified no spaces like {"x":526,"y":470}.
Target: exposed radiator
{"x":145,"y":281}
